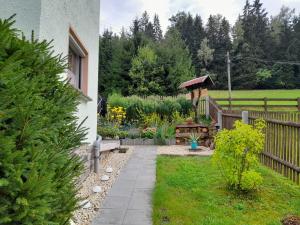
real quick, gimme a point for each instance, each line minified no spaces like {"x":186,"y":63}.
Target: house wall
{"x":83,"y":16}
{"x":27,"y":14}
{"x":52,"y":20}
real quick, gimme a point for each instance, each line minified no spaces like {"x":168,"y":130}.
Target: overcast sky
{"x":115,"y":14}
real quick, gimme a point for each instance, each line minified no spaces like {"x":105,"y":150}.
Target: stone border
{"x":113,"y":159}
{"x":141,"y":141}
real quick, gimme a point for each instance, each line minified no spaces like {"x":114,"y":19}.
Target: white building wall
{"x":51,"y":20}
{"x":27,"y":14}
{"x":83,"y":16}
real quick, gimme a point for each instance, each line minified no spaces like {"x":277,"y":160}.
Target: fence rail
{"x":265,"y":104}
{"x":214,"y":108}
{"x":282,"y":135}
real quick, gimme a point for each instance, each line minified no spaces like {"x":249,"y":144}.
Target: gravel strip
{"x":183,"y":150}
{"x":116,"y":161}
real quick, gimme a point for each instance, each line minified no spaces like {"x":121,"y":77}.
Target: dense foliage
{"x":236,"y":154}
{"x":38,"y":131}
{"x":141,"y":62}
{"x":136,"y":107}
{"x":265,"y":52}
{"x":148,"y":118}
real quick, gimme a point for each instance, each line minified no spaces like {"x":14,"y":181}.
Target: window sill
{"x":83,"y":96}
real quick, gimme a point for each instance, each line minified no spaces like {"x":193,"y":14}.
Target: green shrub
{"x":134,"y":110}
{"x":122,"y":134}
{"x":177,"y":118}
{"x":236,"y":154}
{"x":137,"y":107}
{"x":250,"y":180}
{"x":38,"y":132}
{"x":115,"y":100}
{"x":167,"y":107}
{"x":108,"y":132}
{"x":151,"y":120}
{"x":185,"y":105}
{"x":111,"y":132}
{"x":163,"y":133}
{"x":149,"y":132}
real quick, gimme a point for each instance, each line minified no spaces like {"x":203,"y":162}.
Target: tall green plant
{"x":236,"y":154}
{"x":137,"y":107}
{"x":38,"y":131}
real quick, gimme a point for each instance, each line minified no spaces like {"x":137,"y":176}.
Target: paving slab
{"x":128,"y":202}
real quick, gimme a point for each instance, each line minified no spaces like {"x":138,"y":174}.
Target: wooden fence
{"x":293,"y":116}
{"x":282,"y":137}
{"x":202,"y":106}
{"x":263,"y":104}
{"x":214,"y":108}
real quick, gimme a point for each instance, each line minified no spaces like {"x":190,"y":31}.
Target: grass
{"x":257,"y":93}
{"x":260,"y":94}
{"x":190,"y":191}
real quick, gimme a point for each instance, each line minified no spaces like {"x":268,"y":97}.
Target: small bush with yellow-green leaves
{"x":236,"y":154}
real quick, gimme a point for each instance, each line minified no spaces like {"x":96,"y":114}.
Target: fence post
{"x":230,"y":104}
{"x":298,"y":100}
{"x":207,"y":107}
{"x":245,"y":117}
{"x":220,"y":122}
{"x":265,"y":104}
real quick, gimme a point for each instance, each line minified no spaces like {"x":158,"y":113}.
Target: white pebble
{"x":97,"y":189}
{"x":104,"y":178}
{"x":85,"y":204}
{"x":109,"y":170}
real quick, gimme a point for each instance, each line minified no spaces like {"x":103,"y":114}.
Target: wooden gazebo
{"x":198,"y":88}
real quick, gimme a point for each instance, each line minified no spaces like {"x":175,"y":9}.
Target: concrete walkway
{"x":129,"y":200}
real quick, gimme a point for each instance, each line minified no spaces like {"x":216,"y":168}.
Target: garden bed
{"x":143,"y":141}
{"x":190,"y":190}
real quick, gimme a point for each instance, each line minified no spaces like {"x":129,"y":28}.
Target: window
{"x":75,"y":68}
{"x":77,"y":63}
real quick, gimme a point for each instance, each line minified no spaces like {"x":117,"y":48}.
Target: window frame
{"x":75,"y":44}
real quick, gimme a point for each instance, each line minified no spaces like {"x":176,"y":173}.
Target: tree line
{"x":264,"y":52}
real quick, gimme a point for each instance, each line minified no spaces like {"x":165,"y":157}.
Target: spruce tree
{"x":157,"y":28}
{"x":198,"y":36}
{"x":176,"y":61}
{"x":38,"y":132}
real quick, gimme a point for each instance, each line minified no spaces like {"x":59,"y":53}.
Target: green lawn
{"x":190,"y":191}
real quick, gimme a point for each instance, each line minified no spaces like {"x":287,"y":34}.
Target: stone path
{"x":128,"y":202}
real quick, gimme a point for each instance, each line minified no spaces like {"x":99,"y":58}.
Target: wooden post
{"x":229,"y":100}
{"x":245,"y":117}
{"x":265,"y":104}
{"x":220,"y":122}
{"x":298,"y":100}
{"x":207,"y":107}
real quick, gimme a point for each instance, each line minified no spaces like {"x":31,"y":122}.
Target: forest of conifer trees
{"x":264,"y":50}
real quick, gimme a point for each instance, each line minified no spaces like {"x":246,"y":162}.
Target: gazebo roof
{"x":197,"y":82}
